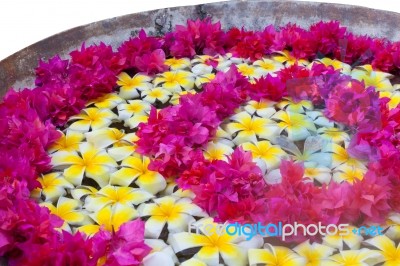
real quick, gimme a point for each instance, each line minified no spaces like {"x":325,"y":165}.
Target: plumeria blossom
{"x":286,"y":58}
{"x":217,"y":151}
{"x":264,"y":150}
{"x":174,"y":212}
{"x":133,"y":107}
{"x":393,"y":222}
{"x":355,"y":257}
{"x":336,"y":64}
{"x":295,"y":107}
{"x":92,"y":118}
{"x":114,"y":195}
{"x":82,"y":191}
{"x":69,"y":210}
{"x":103,"y":138}
{"x":177,"y":63}
{"x":54,"y":186}
{"x":156,"y":94}
{"x":389,"y":252}
{"x":348,"y":173}
{"x":231,"y":248}
{"x":94,"y":163}
{"x":315,"y":150}
{"x":249,"y":128}
{"x":315,"y":253}
{"x":379,"y":80}
{"x":272,"y":255}
{"x":130,"y":86}
{"x":111,"y":218}
{"x":320,"y":173}
{"x":108,"y":101}
{"x":268,"y":66}
{"x":161,"y":254}
{"x":249,"y":71}
{"x":174,"y":81}
{"x":393,"y":96}
{"x":262,"y":108}
{"x":341,"y":156}
{"x":297,"y":126}
{"x":334,"y":134}
{"x":135,"y":169}
{"x":339,"y":240}
{"x":319,"y":119}
{"x":67,"y":142}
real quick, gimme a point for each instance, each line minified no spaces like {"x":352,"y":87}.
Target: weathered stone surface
{"x":17,"y":70}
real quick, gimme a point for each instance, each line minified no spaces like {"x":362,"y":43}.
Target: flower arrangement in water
{"x":114,"y":154}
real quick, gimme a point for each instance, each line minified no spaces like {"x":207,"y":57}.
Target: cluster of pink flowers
{"x":174,"y":135}
{"x":231,"y":190}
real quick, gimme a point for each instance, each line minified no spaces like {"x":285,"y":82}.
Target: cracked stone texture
{"x":17,"y":71}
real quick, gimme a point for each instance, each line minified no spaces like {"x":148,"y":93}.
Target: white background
{"x":24,"y":22}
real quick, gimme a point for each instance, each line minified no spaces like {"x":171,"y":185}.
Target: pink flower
{"x":328,"y":35}
{"x":151,"y":63}
{"x":371,"y":197}
{"x":94,"y":69}
{"x":355,"y":106}
{"x":354,"y":50}
{"x":199,"y":37}
{"x":124,"y":247}
{"x":271,"y":88}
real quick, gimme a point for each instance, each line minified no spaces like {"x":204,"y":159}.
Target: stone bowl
{"x":17,"y":70}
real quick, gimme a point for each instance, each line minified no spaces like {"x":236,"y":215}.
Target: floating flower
{"x":295,"y":107}
{"x":113,"y":195}
{"x":379,"y":80}
{"x":103,"y":138}
{"x":314,"y":254}
{"x":130,"y":86}
{"x":161,"y":254}
{"x":135,"y":168}
{"x":341,"y":156}
{"x":393,"y":222}
{"x":333,"y":134}
{"x":249,"y":128}
{"x":338,"y":240}
{"x":315,"y":150}
{"x":264,"y":150}
{"x":297,"y":126}
{"x":249,"y":71}
{"x":174,"y":81}
{"x":320,"y":173}
{"x":387,"y":249}
{"x":174,"y":212}
{"x":132,"y":108}
{"x":67,"y":142}
{"x":53,"y":186}
{"x":336,"y":64}
{"x":263,"y":108}
{"x":231,"y":248}
{"x":177,"y":63}
{"x":271,"y":255}
{"x":268,"y":66}
{"x":111,"y":218}
{"x":82,"y":191}
{"x":95,"y":163}
{"x":319,"y":119}
{"x":355,"y":257}
{"x":156,"y":94}
{"x":69,"y":210}
{"x":92,"y":118}
{"x":348,"y":173}
{"x":286,"y":58}
{"x":108,"y":101}
{"x":217,"y":151}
